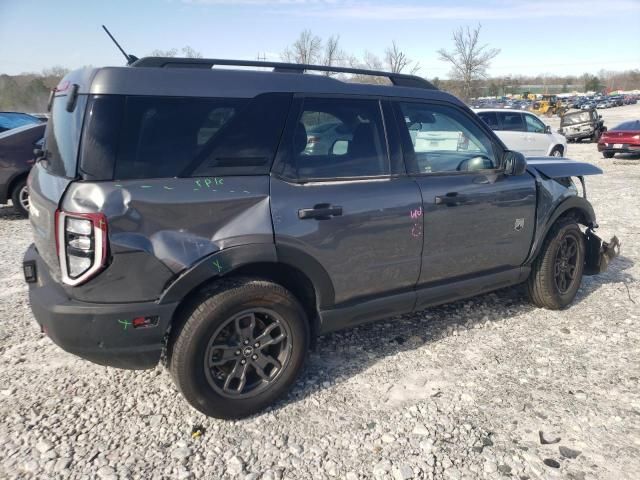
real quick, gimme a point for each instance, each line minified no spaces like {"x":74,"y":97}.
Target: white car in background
{"x":524,"y":132}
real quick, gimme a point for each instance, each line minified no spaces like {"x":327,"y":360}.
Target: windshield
{"x":573,"y":118}
{"x":9,"y":120}
{"x":63,"y":136}
{"x":631,"y":125}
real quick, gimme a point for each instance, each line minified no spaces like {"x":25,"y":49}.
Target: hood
{"x":553,"y":167}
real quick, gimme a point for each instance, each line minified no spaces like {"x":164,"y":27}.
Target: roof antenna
{"x":130,"y":58}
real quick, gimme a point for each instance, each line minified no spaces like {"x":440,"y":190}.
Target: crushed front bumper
{"x":599,"y":253}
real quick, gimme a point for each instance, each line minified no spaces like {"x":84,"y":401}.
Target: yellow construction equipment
{"x":549,"y":105}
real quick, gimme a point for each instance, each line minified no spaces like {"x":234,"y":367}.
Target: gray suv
{"x":179,"y":212}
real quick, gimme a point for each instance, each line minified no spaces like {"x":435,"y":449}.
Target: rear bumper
{"x":103,"y":333}
{"x":623,"y":148}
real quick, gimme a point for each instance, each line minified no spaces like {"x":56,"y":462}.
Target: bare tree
{"x":306,"y":49}
{"x":396,"y":60}
{"x":187,"y":52}
{"x":469,"y":59}
{"x":333,"y":55}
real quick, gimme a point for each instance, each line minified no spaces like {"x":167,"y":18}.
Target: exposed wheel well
{"x":289,"y":277}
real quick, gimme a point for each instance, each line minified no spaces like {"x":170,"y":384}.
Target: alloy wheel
{"x":23,"y":198}
{"x":566,"y":264}
{"x":247,"y":353}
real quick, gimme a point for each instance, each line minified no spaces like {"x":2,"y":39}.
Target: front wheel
{"x":240,"y":348}
{"x":557,"y":271}
{"x":556,"y":152}
{"x":608,"y":154}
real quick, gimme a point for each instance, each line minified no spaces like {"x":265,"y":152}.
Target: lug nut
{"x":257,"y":344}
{"x":246,"y":342}
{"x":243,"y":361}
{"x":237,"y":352}
{"x":254,"y":357}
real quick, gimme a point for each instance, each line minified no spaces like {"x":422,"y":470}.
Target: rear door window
{"x":511,"y":121}
{"x":182,"y":137}
{"x":338,"y":138}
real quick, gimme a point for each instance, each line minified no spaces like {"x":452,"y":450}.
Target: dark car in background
{"x":10,"y":120}
{"x":624,"y":138}
{"x":16,"y":160}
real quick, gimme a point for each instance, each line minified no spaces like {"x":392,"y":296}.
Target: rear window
{"x":63,"y":136}
{"x":159,"y":137}
{"x":630,"y":125}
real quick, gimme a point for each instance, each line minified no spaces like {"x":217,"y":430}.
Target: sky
{"x":535,"y":37}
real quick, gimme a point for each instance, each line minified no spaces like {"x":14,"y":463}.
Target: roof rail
{"x":397,"y":79}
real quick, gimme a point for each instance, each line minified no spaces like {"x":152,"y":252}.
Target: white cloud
{"x":407,"y":10}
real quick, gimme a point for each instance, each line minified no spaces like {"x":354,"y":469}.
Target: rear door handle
{"x":451,"y":199}
{"x":321,"y":211}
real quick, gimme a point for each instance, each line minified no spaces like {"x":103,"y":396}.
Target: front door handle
{"x":321,"y":211}
{"x":451,"y":199}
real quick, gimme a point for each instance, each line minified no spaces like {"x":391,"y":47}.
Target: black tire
{"x":543,"y":286}
{"x":205,"y":388}
{"x":608,"y":154}
{"x":556,"y":152}
{"x":596,"y":136}
{"x":18,"y":198}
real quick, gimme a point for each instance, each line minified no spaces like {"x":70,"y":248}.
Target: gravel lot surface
{"x":485,"y":388}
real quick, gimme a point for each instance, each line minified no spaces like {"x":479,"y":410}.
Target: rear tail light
{"x":81,"y":240}
{"x":312,"y":140}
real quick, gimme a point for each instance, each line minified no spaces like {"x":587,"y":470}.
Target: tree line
{"x":468,"y":58}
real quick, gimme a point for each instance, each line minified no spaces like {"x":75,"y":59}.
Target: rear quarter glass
{"x":137,"y":137}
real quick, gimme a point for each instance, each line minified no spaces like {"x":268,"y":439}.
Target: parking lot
{"x":485,"y":388}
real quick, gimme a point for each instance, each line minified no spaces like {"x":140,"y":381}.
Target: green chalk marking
{"x":216,"y":264}
{"x":198,"y":183}
{"x":207,"y":182}
{"x":124,"y":323}
{"x":219,"y":181}
{"x":118,"y":185}
{"x":168,"y":188}
{"x":146,"y":186}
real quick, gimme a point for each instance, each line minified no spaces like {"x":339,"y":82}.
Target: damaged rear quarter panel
{"x":160,"y":227}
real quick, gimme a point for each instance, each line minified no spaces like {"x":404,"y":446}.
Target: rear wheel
{"x":240,"y":348}
{"x":20,"y":197}
{"x":608,"y":154}
{"x":557,"y":272}
{"x":596,"y":136}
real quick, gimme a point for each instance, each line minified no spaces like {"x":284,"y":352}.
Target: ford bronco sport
{"x":188,"y":214}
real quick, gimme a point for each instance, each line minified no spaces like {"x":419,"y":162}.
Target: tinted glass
{"x":9,"y":120}
{"x":63,"y":136}
{"x":177,"y":137}
{"x":491,"y":119}
{"x":511,"y":121}
{"x":443,"y":139}
{"x":533,"y":124}
{"x":339,"y":138}
{"x":100,"y":137}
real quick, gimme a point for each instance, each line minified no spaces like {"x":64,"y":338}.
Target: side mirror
{"x":514,"y":163}
{"x":547,"y":129}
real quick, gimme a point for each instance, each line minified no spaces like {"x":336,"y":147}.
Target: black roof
{"x":195,"y":78}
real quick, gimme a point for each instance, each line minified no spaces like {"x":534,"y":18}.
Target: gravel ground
{"x":485,"y":388}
